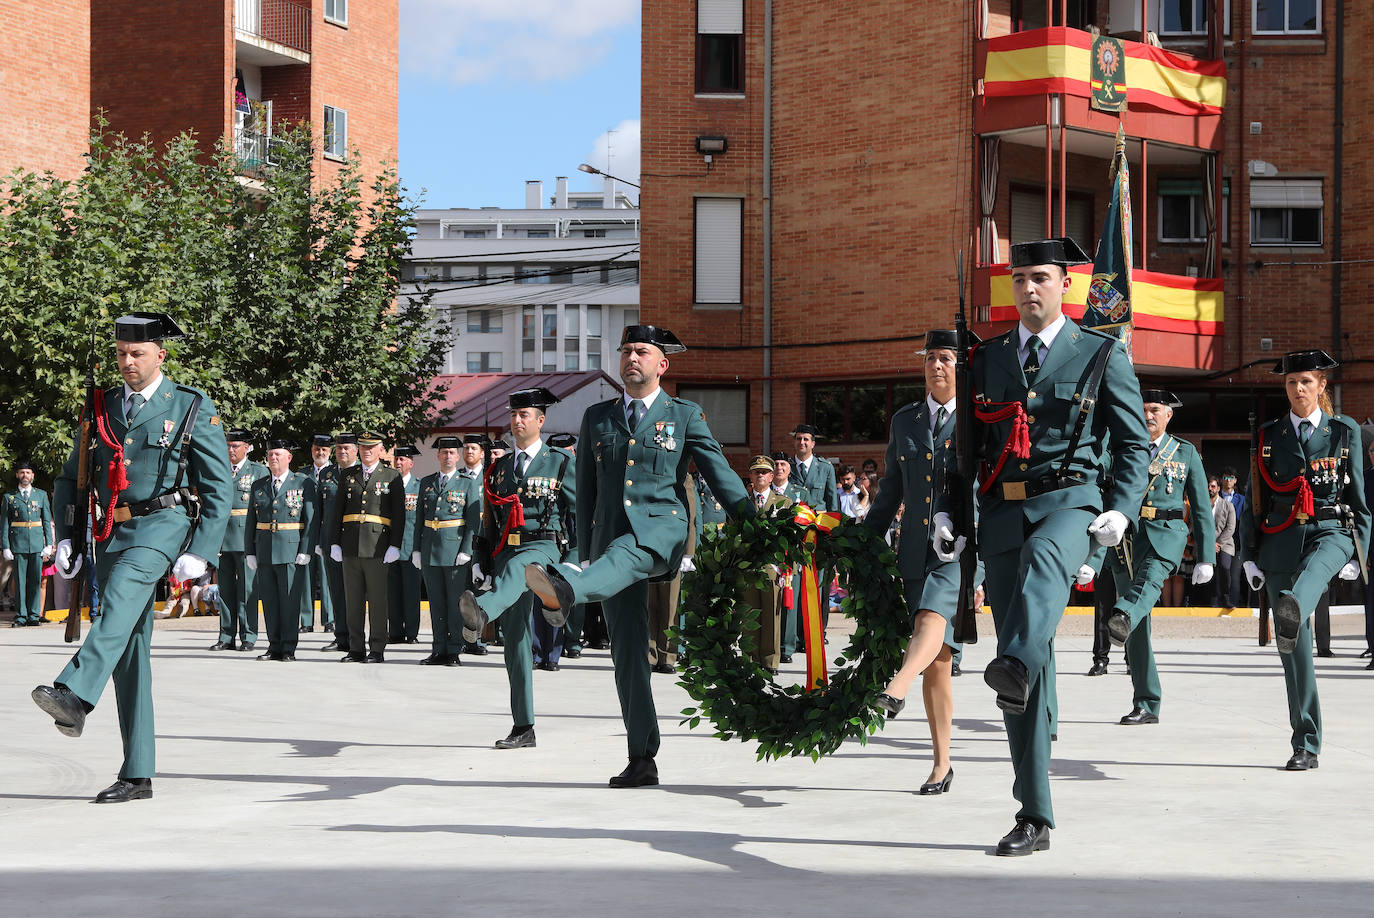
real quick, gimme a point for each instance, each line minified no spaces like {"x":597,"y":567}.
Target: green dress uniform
{"x":146,"y":539}
{"x":1301,"y":552}
{"x":26,"y":529}
{"x":633,"y":528}
{"x":282,"y":525}
{"x":238,"y":604}
{"x":547,"y":494}
{"x":368,"y":520}
{"x":323,"y":571}
{"x":1035,"y":511}
{"x":1156,"y":550}
{"x":816,"y":483}
{"x":403,"y":578}
{"x":449,"y":516}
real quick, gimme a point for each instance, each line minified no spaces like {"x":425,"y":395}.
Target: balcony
{"x":272,"y":33}
{"x":254,"y":145}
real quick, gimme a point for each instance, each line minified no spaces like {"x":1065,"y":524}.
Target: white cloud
{"x":617,"y":151}
{"x":476,"y":41}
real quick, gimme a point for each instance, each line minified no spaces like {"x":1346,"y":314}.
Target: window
{"x":1028,"y":216}
{"x":427,"y":272}
{"x":465,"y":274}
{"x":720,"y":46}
{"x":1189,"y":17}
{"x":593,"y":337}
{"x":549,"y":342}
{"x":482,"y":321}
{"x":336,"y":11}
{"x":857,"y":412}
{"x":1286,"y":17}
{"x":594,"y":234}
{"x":484,"y":361}
{"x":1030,"y":14}
{"x":536,"y":234}
{"x":474,"y":234}
{"x":718,"y":243}
{"x":621,"y":274}
{"x":498,"y":274}
{"x":1182,"y":217}
{"x":535,"y":274}
{"x":335,"y":132}
{"x":726,"y":409}
{"x":1286,"y":212}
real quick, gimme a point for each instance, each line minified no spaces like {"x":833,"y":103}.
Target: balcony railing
{"x":255,"y":151}
{"x":286,"y":22}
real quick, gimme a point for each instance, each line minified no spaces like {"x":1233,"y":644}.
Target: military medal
{"x":165,"y":440}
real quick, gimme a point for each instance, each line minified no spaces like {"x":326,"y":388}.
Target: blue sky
{"x":494,"y":92}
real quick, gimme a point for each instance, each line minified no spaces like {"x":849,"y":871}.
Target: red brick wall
{"x":45,"y":78}
{"x":1357,"y":280}
{"x":288,"y":88}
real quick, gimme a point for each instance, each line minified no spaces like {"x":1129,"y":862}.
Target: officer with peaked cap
{"x":365,"y":537}
{"x":1307,"y":522}
{"x":473,"y":455}
{"x":345,"y":457}
{"x":403,"y":580}
{"x":238,"y":609}
{"x":325,"y":475}
{"x":531,"y":499}
{"x":1156,"y":549}
{"x":446,"y":522}
{"x":28,"y":540}
{"x":632,"y":465}
{"x":281,"y":534}
{"x":171,"y":513}
{"x":1048,"y":393}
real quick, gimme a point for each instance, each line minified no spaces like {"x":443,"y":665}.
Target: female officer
{"x":1308,"y":503}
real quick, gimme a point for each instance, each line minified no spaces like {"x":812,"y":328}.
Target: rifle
{"x":1256,"y":491}
{"x":79,"y":510}
{"x":961,"y":485}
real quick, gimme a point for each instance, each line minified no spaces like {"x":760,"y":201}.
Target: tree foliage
{"x":290,"y":294}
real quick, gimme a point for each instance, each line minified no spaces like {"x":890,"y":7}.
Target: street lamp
{"x":592,"y":170}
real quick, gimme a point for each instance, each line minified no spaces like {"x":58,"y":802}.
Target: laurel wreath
{"x":734,"y":693}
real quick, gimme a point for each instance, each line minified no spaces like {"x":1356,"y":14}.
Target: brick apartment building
{"x":866,"y":141}
{"x":221,"y":68}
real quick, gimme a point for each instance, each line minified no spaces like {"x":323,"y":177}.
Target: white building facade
{"x":537,"y":290}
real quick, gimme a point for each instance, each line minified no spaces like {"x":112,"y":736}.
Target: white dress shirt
{"x":1046,"y":335}
{"x":1315,"y":418}
{"x":147,"y":393}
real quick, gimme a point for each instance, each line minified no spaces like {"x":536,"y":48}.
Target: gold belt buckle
{"x":1013,"y":490}
{"x":513,"y":539}
{"x":1303,"y":517}
{"x":1147,"y":513}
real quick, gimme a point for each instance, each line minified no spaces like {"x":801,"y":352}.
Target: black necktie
{"x":520,"y":461}
{"x":632,"y":413}
{"x":940,"y":417}
{"x":136,"y":402}
{"x":1032,"y":364}
{"x":276,"y":487}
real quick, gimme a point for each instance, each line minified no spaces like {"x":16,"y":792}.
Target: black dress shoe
{"x":1119,"y":627}
{"x":479,"y":650}
{"x":351,"y":657}
{"x":306,"y":629}
{"x":1302,"y":760}
{"x":287,"y":658}
{"x":1325,"y":652}
{"x":222,"y":645}
{"x":641,"y":772}
{"x":270,"y":655}
{"x":1365,"y":653}
{"x":452,"y":659}
{"x":435,"y":659}
{"x":16,"y":624}
{"x":1098,"y":669}
{"x":473,"y":616}
{"x":549,"y":666}
{"x":328,"y":629}
{"x":122,"y":791}
{"x":518,"y":739}
{"x":954,"y":670}
{"x":1054,"y":737}
{"x":1139,"y":716}
{"x":939,"y":787}
{"x":572,"y":653}
{"x":892,"y":706}
{"x":770,"y":670}
{"x":246,"y":646}
{"x":375,"y":657}
{"x":670,"y":668}
{"x":408,"y":640}
{"x":1007,"y":676}
{"x":1370,"y":665}
{"x":554,"y":592}
{"x":785,"y":658}
{"x":603,"y":644}
{"x":333,"y":645}
{"x":1287,"y":621}
{"x":62,"y":705}
{"x":1025,"y":838}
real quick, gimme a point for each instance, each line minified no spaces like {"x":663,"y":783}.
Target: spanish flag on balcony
{"x":1109,"y":291}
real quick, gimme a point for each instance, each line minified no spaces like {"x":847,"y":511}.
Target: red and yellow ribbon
{"x":811,"y":609}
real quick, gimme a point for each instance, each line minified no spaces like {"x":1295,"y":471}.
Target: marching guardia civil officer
{"x":238,"y":604}
{"x":403,"y":580}
{"x":1040,"y":502}
{"x":920,"y":457}
{"x":446,"y":522}
{"x":1155,"y":550}
{"x":1307,"y":522}
{"x":326,"y":477}
{"x":148,"y":425}
{"x":632,"y":460}
{"x":531,"y":498}
{"x":281,"y":534}
{"x":28,"y":537}
{"x":365,"y":538}
{"x":345,"y":457}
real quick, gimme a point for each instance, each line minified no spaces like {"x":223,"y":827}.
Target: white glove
{"x":1109,"y":528}
{"x":463,"y":558}
{"x":1085,"y":575}
{"x":47,"y":552}
{"x":64,"y":558}
{"x":393,"y":554}
{"x":1254,"y":575}
{"x":302,"y":559}
{"x":189,"y":567}
{"x":477,"y":574}
{"x":572,"y":566}
{"x":335,"y":553}
{"x":943,"y":535}
{"x":9,"y":555}
{"x":250,"y":562}
{"x":1202,"y":573}
{"x":686,"y":567}
{"x":1350,"y":572}
{"x":415,"y":559}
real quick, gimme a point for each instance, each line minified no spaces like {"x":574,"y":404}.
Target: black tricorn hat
{"x":563,"y":440}
{"x":321,"y":440}
{"x":282,"y":443}
{"x":23,"y":464}
{"x":780,"y":455}
{"x":146,"y":326}
{"x":476,"y":439}
{"x":346,"y":439}
{"x":405,"y":451}
{"x":1061,"y":250}
{"x":805,"y":429}
{"x":238,"y":433}
{"x":538,"y":397}
{"x":945,"y":338}
{"x":1301,"y":361}
{"x":1161,"y":397}
{"x":447,"y":442}
{"x":661,"y":338}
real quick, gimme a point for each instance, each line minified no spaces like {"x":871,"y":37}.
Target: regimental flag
{"x":1108,"y":75}
{"x":1109,"y":292}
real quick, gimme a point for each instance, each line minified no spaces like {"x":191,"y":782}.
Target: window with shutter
{"x":720,"y":47}
{"x":718,"y":250}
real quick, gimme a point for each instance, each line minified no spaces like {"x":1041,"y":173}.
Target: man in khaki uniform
{"x":764,"y":643}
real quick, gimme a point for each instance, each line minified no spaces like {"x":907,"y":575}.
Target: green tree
{"x":290,"y":296}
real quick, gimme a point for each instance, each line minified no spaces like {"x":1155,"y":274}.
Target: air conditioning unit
{"x":1260,"y":169}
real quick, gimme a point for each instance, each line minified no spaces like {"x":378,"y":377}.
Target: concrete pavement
{"x":316,"y":788}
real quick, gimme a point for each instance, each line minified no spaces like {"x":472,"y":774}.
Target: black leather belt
{"x":1025,"y":490}
{"x":535,"y":535}
{"x":1329,"y":512}
{"x":1154,"y":513}
{"x":179,"y":497}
